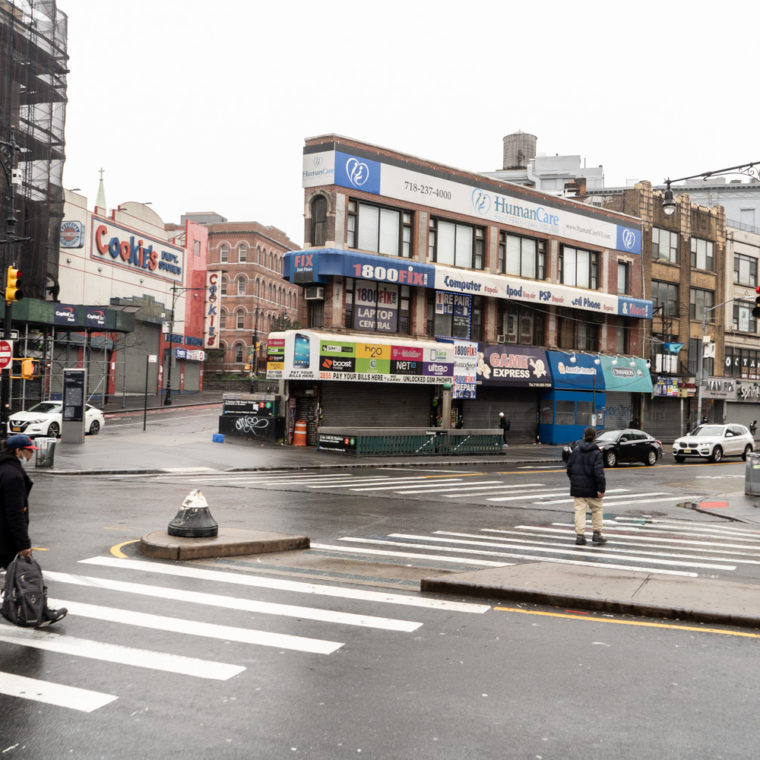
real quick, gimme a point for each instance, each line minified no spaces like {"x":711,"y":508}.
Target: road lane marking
{"x":437,"y":487}
{"x":123,"y":655}
{"x":628,"y":495}
{"x":640,"y":623}
{"x":51,"y":693}
{"x":243,"y":579}
{"x":555,"y":549}
{"x":197,"y":628}
{"x":549,"y":492}
{"x":232,"y":603}
{"x":408,"y":555}
{"x":531,"y":557}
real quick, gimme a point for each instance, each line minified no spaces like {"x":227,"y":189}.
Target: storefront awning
{"x":626,"y":374}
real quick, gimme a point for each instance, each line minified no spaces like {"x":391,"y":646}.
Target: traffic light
{"x":756,"y":310}
{"x":27,"y":369}
{"x":12,"y":291}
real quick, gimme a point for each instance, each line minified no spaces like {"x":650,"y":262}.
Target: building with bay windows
{"x":418,"y":276}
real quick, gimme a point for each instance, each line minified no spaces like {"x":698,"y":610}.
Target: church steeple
{"x":100,"y":201}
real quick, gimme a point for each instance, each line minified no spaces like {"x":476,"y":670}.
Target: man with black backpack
{"x":15,"y":486}
{"x":585,"y":469}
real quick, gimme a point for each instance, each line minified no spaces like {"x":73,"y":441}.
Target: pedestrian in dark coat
{"x":15,"y":486}
{"x":504,"y":425}
{"x":585,"y":469}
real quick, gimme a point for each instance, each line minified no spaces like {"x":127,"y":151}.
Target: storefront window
{"x":451,"y":315}
{"x":584,"y":410}
{"x":521,"y":324}
{"x":565,"y":413}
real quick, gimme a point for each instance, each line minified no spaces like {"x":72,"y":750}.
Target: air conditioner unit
{"x":314,"y":293}
{"x":501,"y":338}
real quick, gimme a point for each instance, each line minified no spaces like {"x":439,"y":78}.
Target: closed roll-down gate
{"x":618,"y":410}
{"x":663,"y":418}
{"x":743,"y":414}
{"x":375,"y":404}
{"x":519,"y":404}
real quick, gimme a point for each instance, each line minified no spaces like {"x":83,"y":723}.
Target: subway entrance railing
{"x":409,"y":441}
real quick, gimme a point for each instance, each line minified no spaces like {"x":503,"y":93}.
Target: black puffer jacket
{"x":15,"y":485}
{"x":585,"y":469}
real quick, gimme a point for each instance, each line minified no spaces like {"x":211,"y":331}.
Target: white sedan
{"x":714,"y":442}
{"x":45,"y":419}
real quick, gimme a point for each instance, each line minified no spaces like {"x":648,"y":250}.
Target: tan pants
{"x":583,"y":503}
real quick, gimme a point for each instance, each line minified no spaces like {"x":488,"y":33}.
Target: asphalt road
{"x":333,"y":653}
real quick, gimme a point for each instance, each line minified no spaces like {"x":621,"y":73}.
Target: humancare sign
{"x":374,"y":173}
{"x":130,"y":249}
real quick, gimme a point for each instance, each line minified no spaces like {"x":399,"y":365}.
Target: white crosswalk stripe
{"x":209,"y":591}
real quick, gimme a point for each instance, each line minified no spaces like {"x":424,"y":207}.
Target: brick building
{"x":254,"y":297}
{"x":418,"y":275}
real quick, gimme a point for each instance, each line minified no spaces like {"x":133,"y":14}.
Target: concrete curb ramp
{"x":647,"y":594}
{"x":229,"y":543}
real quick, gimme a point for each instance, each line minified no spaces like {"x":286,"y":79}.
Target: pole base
{"x":193,"y":523}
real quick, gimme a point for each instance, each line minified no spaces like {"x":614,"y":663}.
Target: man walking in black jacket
{"x":585,"y":469}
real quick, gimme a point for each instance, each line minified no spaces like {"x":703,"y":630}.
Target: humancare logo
{"x":357,"y":172}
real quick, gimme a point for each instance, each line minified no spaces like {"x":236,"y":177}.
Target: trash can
{"x":752,"y":475}
{"x":45,"y":452}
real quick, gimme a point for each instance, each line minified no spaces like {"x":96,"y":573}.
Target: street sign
{"x":6,"y":353}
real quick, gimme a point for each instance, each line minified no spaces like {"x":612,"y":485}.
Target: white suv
{"x":714,"y":442}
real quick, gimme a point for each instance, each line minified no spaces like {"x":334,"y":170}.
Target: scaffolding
{"x":34,"y":60}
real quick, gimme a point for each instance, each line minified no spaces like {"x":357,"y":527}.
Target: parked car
{"x":627,"y":445}
{"x":714,"y":442}
{"x":45,"y":419}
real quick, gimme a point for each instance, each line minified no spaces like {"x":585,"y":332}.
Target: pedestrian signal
{"x":27,"y":369}
{"x":12,"y":290}
{"x":756,"y":310}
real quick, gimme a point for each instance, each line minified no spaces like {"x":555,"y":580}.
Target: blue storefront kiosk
{"x":576,"y":399}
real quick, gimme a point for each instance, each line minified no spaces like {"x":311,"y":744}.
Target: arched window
{"x":319,"y":220}
{"x":224,"y":285}
{"x":271,"y":294}
{"x":241,"y":285}
{"x":258,"y":254}
{"x":243,"y":252}
{"x":222,"y":319}
{"x":240,"y":319}
{"x":238,"y":352}
{"x":224,"y":253}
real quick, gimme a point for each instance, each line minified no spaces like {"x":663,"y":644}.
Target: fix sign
{"x":6,"y":353}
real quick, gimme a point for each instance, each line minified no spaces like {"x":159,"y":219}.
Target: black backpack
{"x":24,"y":594}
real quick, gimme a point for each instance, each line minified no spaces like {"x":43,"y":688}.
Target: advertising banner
{"x":627,"y":374}
{"x":465,"y":369}
{"x":308,"y":355}
{"x":524,"y":366}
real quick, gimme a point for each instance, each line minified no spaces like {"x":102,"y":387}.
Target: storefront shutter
{"x":519,"y":404}
{"x":375,"y":404}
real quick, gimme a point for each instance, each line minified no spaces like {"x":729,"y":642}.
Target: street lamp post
{"x":700,"y":358}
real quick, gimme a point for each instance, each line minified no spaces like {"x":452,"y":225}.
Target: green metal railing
{"x":409,"y":442}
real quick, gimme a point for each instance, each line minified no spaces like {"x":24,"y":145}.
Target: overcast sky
{"x":204,"y":106}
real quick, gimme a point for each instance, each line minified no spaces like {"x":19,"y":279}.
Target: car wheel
{"x":747,"y":452}
{"x":651,"y":457}
{"x":610,"y":459}
{"x":717,"y":454}
{"x":94,"y":428}
{"x":53,"y":430}
{"x":680,"y":459}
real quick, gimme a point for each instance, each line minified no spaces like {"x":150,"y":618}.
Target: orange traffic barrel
{"x":299,"y":436}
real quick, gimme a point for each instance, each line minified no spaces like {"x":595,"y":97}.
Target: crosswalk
{"x":494,"y":488}
{"x":239,"y":603}
{"x":645,"y":545}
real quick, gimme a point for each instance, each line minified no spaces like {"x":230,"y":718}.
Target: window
{"x":222,"y":319}
{"x":241,"y":285}
{"x":319,"y":221}
{"x":454,"y":315}
{"x":743,"y":320}
{"x":664,"y":245}
{"x":196,"y":247}
{"x":238,"y":352}
{"x":379,"y":229}
{"x":745,"y":270}
{"x":460,"y":245}
{"x":243,"y":252}
{"x":524,"y":257}
{"x":377,"y":306}
{"x":742,"y":362}
{"x":665,"y":294}
{"x":224,"y":285}
{"x":579,"y":268}
{"x":224,"y":253}
{"x":240,"y":319}
{"x":521,"y":324}
{"x":702,"y":254}
{"x":623,"y":278}
{"x":707,"y":362}
{"x":622,"y":332}
{"x":577,"y":333}
{"x":699,"y":302}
